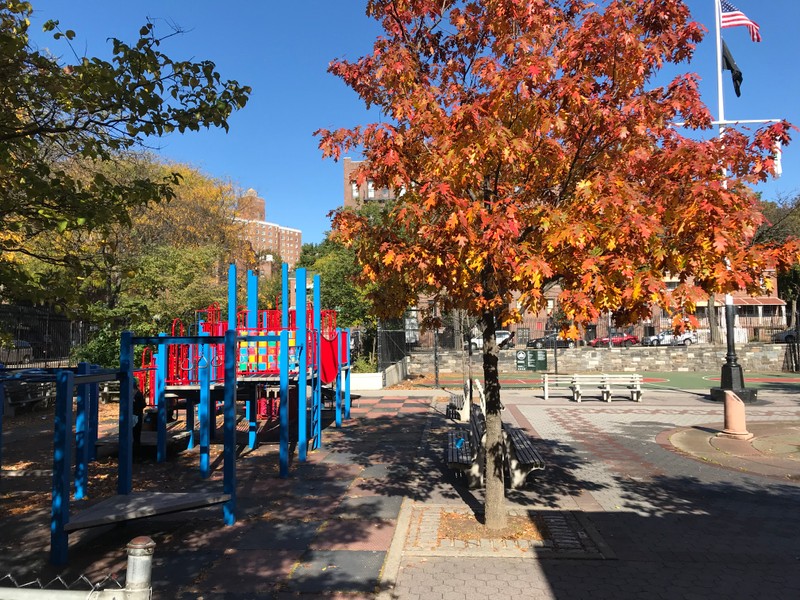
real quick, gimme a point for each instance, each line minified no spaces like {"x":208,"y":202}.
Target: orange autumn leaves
{"x":530,"y":142}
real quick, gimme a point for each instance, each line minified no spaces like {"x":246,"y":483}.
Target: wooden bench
{"x":632,"y":382}
{"x":465,"y":448}
{"x":549,"y":381}
{"x":521,"y":457}
{"x":458,"y":406}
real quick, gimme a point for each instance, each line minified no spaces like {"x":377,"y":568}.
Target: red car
{"x":617,"y":339}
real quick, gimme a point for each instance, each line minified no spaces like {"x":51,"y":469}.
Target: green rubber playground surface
{"x":652,"y":380}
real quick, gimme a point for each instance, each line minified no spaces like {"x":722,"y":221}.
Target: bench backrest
{"x":479,"y":386}
{"x":477,"y":421}
{"x":625,"y":378}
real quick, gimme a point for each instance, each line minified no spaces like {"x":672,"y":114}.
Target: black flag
{"x":729,"y":64}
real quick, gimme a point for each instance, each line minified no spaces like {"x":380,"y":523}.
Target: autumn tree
{"x":783,"y":223}
{"x":62,"y":121}
{"x":530,"y":141}
{"x":169,"y":260}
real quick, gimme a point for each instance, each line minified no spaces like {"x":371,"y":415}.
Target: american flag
{"x":733,"y":17}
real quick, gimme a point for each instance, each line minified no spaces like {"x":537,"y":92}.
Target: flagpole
{"x":720,"y":100}
{"x":732,"y":375}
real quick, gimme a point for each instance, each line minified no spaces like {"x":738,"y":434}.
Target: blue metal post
{"x":190,"y":418}
{"x":62,"y":448}
{"x":316,"y":375}
{"x":347,"y":376}
{"x":252,"y":300}
{"x":229,"y":451}
{"x":207,"y":416}
{"x":252,"y":324}
{"x":125,"y":468}
{"x":161,"y":399}
{"x":94,"y":410}
{"x":232,"y":296}
{"x":338,"y":411}
{"x":82,"y":435}
{"x":301,"y":347}
{"x":284,"y":405}
{"x":285,"y":296}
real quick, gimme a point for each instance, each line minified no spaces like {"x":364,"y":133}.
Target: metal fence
{"x":37,"y":337}
{"x":137,"y":581}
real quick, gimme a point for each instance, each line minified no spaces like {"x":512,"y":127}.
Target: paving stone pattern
{"x":627,"y":516}
{"x":669,"y":526}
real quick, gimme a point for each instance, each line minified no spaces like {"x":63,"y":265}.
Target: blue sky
{"x":282,"y":50}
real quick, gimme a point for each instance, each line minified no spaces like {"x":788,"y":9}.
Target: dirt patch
{"x":466,"y":528}
{"x":26,"y":479}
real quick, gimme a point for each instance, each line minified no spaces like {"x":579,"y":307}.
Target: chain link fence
{"x":137,"y":586}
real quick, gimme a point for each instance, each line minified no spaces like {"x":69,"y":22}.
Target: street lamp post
{"x":732,"y":374}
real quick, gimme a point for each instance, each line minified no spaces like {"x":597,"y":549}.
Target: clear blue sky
{"x":282,"y":50}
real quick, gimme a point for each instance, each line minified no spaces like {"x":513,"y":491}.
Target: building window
{"x":354,"y":190}
{"x":370,"y":190}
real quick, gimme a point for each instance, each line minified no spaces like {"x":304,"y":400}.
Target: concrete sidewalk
{"x":639,"y":499}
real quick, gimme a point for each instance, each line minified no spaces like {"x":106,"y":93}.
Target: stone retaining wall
{"x":703,"y":357}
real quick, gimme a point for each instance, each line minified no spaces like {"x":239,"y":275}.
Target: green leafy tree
{"x":783,"y":223}
{"x":62,"y":123}
{"x":340,"y":290}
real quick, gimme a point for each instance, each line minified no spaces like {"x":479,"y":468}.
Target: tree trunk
{"x":793,"y":313}
{"x":712,"y":320}
{"x":495,"y":512}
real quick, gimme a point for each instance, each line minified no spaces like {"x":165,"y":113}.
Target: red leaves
{"x":533,"y":146}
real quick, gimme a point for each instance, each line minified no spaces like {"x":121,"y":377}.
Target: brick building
{"x":355,"y":195}
{"x":267,"y":237}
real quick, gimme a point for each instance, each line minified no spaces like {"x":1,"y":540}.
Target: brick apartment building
{"x":355,"y":195}
{"x":267,"y":237}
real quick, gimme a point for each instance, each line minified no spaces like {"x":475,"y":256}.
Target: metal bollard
{"x":140,"y":566}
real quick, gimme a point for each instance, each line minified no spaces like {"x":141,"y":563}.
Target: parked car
{"x":785,"y":337}
{"x":553,"y":340}
{"x":16,"y":352}
{"x":617,"y":339}
{"x":668,"y":338}
{"x":501,"y":336}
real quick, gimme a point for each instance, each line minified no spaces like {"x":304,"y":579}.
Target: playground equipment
{"x":191,"y":369}
{"x":211,"y":351}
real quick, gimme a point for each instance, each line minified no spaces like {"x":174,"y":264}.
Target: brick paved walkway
{"x":664,"y":524}
{"x":637,"y":501}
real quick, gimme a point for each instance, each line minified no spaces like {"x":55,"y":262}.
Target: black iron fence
{"x":37,"y":337}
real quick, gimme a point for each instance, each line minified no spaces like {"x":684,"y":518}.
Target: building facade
{"x":265,"y":237}
{"x":354,"y":194}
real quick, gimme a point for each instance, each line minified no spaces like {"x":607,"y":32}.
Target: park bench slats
{"x":605,"y":382}
{"x":465,"y":447}
{"x":458,"y":406}
{"x":632,"y":382}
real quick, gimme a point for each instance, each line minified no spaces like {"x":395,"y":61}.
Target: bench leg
{"x":606,"y":395}
{"x":636,"y":395}
{"x":576,"y":395}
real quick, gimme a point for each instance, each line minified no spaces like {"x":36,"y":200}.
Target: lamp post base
{"x":748,"y":396}
{"x":732,"y":379}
